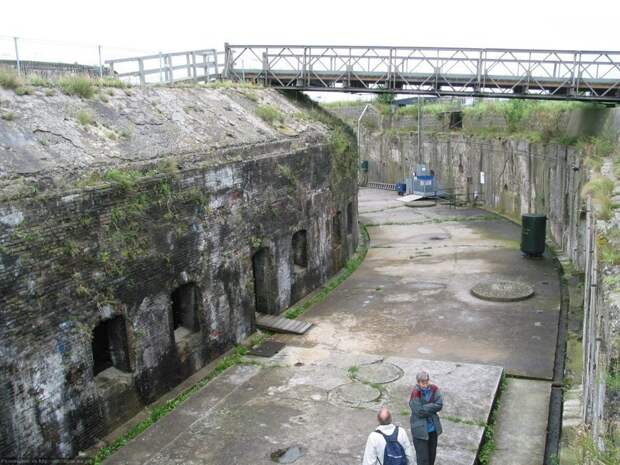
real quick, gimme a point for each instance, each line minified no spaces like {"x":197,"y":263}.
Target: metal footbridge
{"x":465,"y":72}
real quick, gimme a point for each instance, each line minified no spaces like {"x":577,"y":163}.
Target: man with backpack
{"x":388,"y":444}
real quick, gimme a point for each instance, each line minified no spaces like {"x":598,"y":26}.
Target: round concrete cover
{"x":378,"y":373}
{"x":354,"y":394}
{"x":502,"y":291}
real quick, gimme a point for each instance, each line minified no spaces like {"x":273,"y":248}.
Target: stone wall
{"x":601,"y":322}
{"x":519,"y":177}
{"x":118,"y":284}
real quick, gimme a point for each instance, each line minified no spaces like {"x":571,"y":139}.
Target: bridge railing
{"x":447,"y":71}
{"x":193,"y":65}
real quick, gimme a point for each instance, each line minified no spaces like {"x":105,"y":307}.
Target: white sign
{"x":481,"y":177}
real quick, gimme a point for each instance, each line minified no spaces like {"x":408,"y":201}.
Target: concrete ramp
{"x":278,"y":324}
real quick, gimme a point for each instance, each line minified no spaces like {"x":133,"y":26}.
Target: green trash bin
{"x":533,"y":232}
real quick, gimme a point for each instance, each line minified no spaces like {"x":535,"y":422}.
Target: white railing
{"x":193,"y":65}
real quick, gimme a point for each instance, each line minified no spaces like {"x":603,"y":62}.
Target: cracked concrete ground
{"x":409,"y":303}
{"x":307,"y":398}
{"x":411,"y":296}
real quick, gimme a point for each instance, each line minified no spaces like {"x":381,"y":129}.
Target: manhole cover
{"x":354,"y":394}
{"x":378,"y":373}
{"x":502,"y":291}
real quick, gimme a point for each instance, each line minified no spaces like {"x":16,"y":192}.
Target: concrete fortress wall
{"x":114,"y":292}
{"x":525,"y":177}
{"x":519,"y":177}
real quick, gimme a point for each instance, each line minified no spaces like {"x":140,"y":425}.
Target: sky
{"x":129,"y":28}
{"x":181,"y":24}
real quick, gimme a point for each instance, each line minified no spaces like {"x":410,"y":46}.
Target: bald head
{"x":384,"y":416}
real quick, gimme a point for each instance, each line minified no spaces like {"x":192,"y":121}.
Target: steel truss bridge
{"x":464,"y":72}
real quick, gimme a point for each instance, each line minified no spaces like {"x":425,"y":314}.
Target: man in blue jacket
{"x":426,"y":400}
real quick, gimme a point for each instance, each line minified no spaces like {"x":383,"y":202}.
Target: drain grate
{"x":267,"y":349}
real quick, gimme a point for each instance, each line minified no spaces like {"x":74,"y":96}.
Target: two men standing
{"x":389,"y":444}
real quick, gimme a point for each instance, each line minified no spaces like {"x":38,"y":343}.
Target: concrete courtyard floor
{"x":408,"y":306}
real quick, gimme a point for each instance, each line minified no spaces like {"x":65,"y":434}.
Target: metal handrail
{"x":199,"y":65}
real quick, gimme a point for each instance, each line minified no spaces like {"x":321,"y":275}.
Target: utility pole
{"x":17,"y":63}
{"x":100,"y":62}
{"x":419,"y":128}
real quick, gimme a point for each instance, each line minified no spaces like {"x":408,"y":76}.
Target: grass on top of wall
{"x":79,"y":85}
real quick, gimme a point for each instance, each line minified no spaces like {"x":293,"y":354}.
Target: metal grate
{"x":381,"y":185}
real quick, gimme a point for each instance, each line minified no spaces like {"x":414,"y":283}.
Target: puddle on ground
{"x":288,"y":455}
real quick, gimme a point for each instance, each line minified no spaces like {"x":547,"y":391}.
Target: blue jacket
{"x":421,"y":410}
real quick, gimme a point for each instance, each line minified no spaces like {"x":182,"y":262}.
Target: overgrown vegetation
{"x":125,"y":179}
{"x":434,"y":109}
{"x":587,"y":452}
{"x":463,"y":421}
{"x":600,"y":190}
{"x":609,"y":247}
{"x":9,"y":79}
{"x":345,"y":103}
{"x":342,"y":140}
{"x":595,"y":149}
{"x":532,"y":120}
{"x":23,"y":90}
{"x":85,"y":117}
{"x":269,"y":114}
{"x":536,"y":121}
{"x":236,"y":358}
{"x":225,"y":84}
{"x":384,"y":98}
{"x":488,"y":441}
{"x":81,"y":86}
{"x":37,"y":80}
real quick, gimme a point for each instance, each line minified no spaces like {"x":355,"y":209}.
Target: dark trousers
{"x":425,"y":451}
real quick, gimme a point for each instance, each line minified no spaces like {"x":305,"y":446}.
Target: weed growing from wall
{"x":9,"y":79}
{"x":488,"y":440}
{"x":269,"y":114}
{"x":600,"y":189}
{"x":80,"y":86}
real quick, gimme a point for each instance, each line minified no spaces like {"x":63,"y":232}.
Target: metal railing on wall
{"x":136,"y":66}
